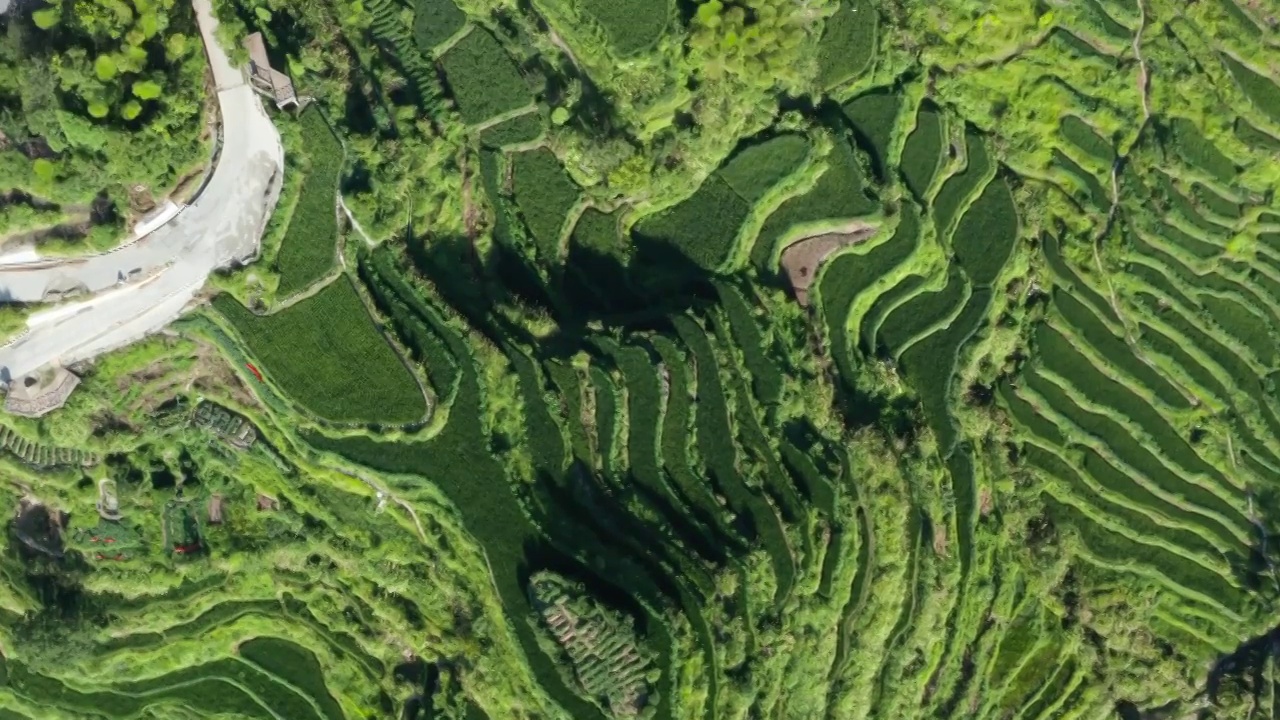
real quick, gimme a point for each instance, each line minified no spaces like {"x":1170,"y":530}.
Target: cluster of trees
{"x":99,"y":95}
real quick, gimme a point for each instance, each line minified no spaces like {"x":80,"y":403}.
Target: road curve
{"x":141,"y":287}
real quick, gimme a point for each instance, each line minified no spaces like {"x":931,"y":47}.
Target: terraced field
{"x":843,"y":360}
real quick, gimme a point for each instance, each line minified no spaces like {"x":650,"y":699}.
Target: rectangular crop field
{"x":483,"y":78}
{"x":309,"y":248}
{"x":326,"y":353}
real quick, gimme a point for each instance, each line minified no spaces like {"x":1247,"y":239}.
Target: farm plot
{"x":1196,"y":149}
{"x":326,"y":353}
{"x":294,"y":664}
{"x":761,"y":163}
{"x":483,"y":78}
{"x":1259,"y":88}
{"x":518,"y":130}
{"x":848,"y":43}
{"x":435,"y":21}
{"x":545,"y":194}
{"x":1080,"y":134}
{"x":309,"y":248}
{"x":703,"y":228}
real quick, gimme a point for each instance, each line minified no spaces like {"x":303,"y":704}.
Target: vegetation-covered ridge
{"x":838,"y":359}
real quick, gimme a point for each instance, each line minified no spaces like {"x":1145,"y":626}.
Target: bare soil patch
{"x":802,"y":260}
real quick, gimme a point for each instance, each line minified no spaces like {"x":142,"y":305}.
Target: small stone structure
{"x":41,"y":392}
{"x":265,"y":79}
{"x":215,"y":509}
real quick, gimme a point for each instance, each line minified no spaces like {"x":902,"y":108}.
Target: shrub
{"x":545,"y":194}
{"x":874,"y":116}
{"x":960,"y":186}
{"x":848,"y":43}
{"x":308,"y":250}
{"x":985,"y":236}
{"x":484,"y":80}
{"x":1082,"y":135}
{"x":759,"y":164}
{"x":435,"y":21}
{"x":631,"y":25}
{"x":1258,"y":88}
{"x":922,"y":153}
{"x":838,"y":194}
{"x":326,"y":353}
{"x":848,"y":275}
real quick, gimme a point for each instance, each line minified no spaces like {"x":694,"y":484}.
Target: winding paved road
{"x":141,"y":287}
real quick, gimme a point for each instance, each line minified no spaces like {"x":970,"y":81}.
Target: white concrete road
{"x":141,"y":287}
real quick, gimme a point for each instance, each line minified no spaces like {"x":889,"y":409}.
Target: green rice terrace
{"x":696,"y":359}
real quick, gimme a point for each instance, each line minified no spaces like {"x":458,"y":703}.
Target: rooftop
{"x":40,"y":392}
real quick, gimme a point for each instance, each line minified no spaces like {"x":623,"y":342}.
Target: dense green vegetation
{"x":837,"y":359}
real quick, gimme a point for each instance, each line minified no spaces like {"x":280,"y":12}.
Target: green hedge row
{"x":715,"y":442}
{"x":308,"y":250}
{"x":519,"y":129}
{"x":1106,"y":23}
{"x":703,"y":228}
{"x":848,"y":275}
{"x":1257,"y":139}
{"x":1259,"y":88}
{"x":1192,"y":146}
{"x":1195,"y":246}
{"x":1082,"y":135}
{"x":766,"y":376}
{"x":1058,"y":353}
{"x":296,"y":665}
{"x":848,"y":42}
{"x":758,"y":164}
{"x":1121,"y":443}
{"x":1114,"y":348}
{"x":1210,"y":200}
{"x":890,"y":299}
{"x":435,"y":21}
{"x":1068,"y":277}
{"x":1238,"y":321}
{"x":632,"y":26}
{"x":908,"y":320}
{"x":1096,"y":196}
{"x":922,"y":154}
{"x":1025,"y":415}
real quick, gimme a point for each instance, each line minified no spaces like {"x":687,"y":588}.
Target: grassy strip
{"x":309,"y":248}
{"x":873,"y":117}
{"x":848,"y":275}
{"x":326,"y":353}
{"x":922,"y":153}
{"x":1241,"y":323}
{"x":1197,"y":248}
{"x":1068,"y":277}
{"x":1209,"y":199}
{"x":545,"y":194}
{"x":606,"y":397}
{"x":963,"y":184}
{"x":1025,"y":416}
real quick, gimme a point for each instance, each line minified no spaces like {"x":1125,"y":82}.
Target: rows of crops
{"x":309,"y":248}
